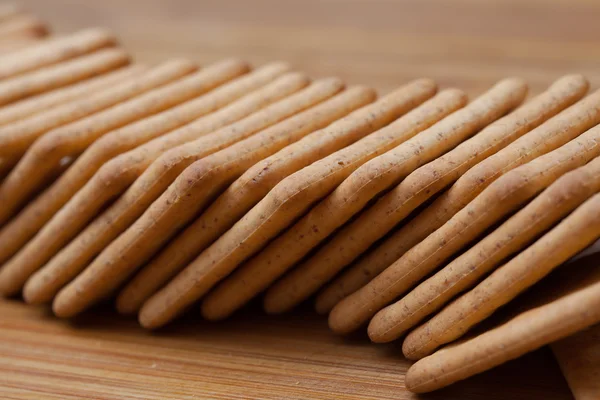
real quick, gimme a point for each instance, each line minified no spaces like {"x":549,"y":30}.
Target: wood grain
{"x":104,"y":356}
{"x":579,"y":359}
{"x":465,"y":43}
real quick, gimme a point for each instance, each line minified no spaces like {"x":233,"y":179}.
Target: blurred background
{"x":383,"y":43}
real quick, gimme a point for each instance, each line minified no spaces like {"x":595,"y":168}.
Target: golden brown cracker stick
{"x":23,"y":26}
{"x":23,"y":226}
{"x":147,"y":96}
{"x":574,"y":305}
{"x":579,"y":360}
{"x":580,"y":229}
{"x":550,"y":135}
{"x":17,"y":137}
{"x":553,"y":204}
{"x":354,"y":239}
{"x":80,"y":90}
{"x":59,"y":75}
{"x":289,"y":199}
{"x":226,"y":126}
{"x":361,"y":187}
{"x":241,"y":195}
{"x":195,"y":187}
{"x":31,"y":117}
{"x":55,"y":51}
{"x":8,"y":46}
{"x":503,"y":196}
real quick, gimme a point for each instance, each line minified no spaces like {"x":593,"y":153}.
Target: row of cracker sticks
{"x":567,"y":302}
{"x":165,"y":197}
{"x":74,"y":258}
{"x":178,"y":177}
{"x":85,"y":190}
{"x":116,"y":142}
{"x":560,"y":221}
{"x":418,"y":158}
{"x":522,"y":136}
{"x":493,"y":142}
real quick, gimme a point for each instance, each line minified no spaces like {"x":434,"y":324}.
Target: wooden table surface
{"x":465,"y":43}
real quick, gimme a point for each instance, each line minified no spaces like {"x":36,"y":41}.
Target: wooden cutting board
{"x":463,"y":43}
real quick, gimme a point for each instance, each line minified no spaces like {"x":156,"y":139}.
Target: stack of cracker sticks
{"x":419,"y":214}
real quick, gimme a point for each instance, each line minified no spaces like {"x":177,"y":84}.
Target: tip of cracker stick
{"x":408,"y":349}
{"x":458,"y":95}
{"x":146,"y":318}
{"x":518,"y":85}
{"x":34,"y":291}
{"x":427,"y":83}
{"x":423,"y":84}
{"x":374,"y":330}
{"x":180,"y":63}
{"x":30,"y":293}
{"x":127,"y":303}
{"x":337,"y":322}
{"x":331,"y":80}
{"x":280,"y":66}
{"x":98,"y":33}
{"x":61,"y":306}
{"x":412,"y":380}
{"x":366,"y":90}
{"x":210,"y":312}
{"x":576,"y":80}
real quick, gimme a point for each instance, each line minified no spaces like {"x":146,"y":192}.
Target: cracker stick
{"x":290,"y":198}
{"x":44,"y":155}
{"x":347,"y":199}
{"x":564,"y":195}
{"x":503,"y":196}
{"x":574,"y":305}
{"x":8,"y":46}
{"x":59,"y":75}
{"x":579,"y":360}
{"x":23,"y":26}
{"x":547,"y":137}
{"x":80,"y":90}
{"x":226,"y":126}
{"x":569,"y":237}
{"x":194,"y":188}
{"x":16,"y":138}
{"x":49,"y":105}
{"x":55,"y":51}
{"x":417,"y":188}
{"x":244,"y":193}
{"x":21,"y":228}
{"x":365,"y":184}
